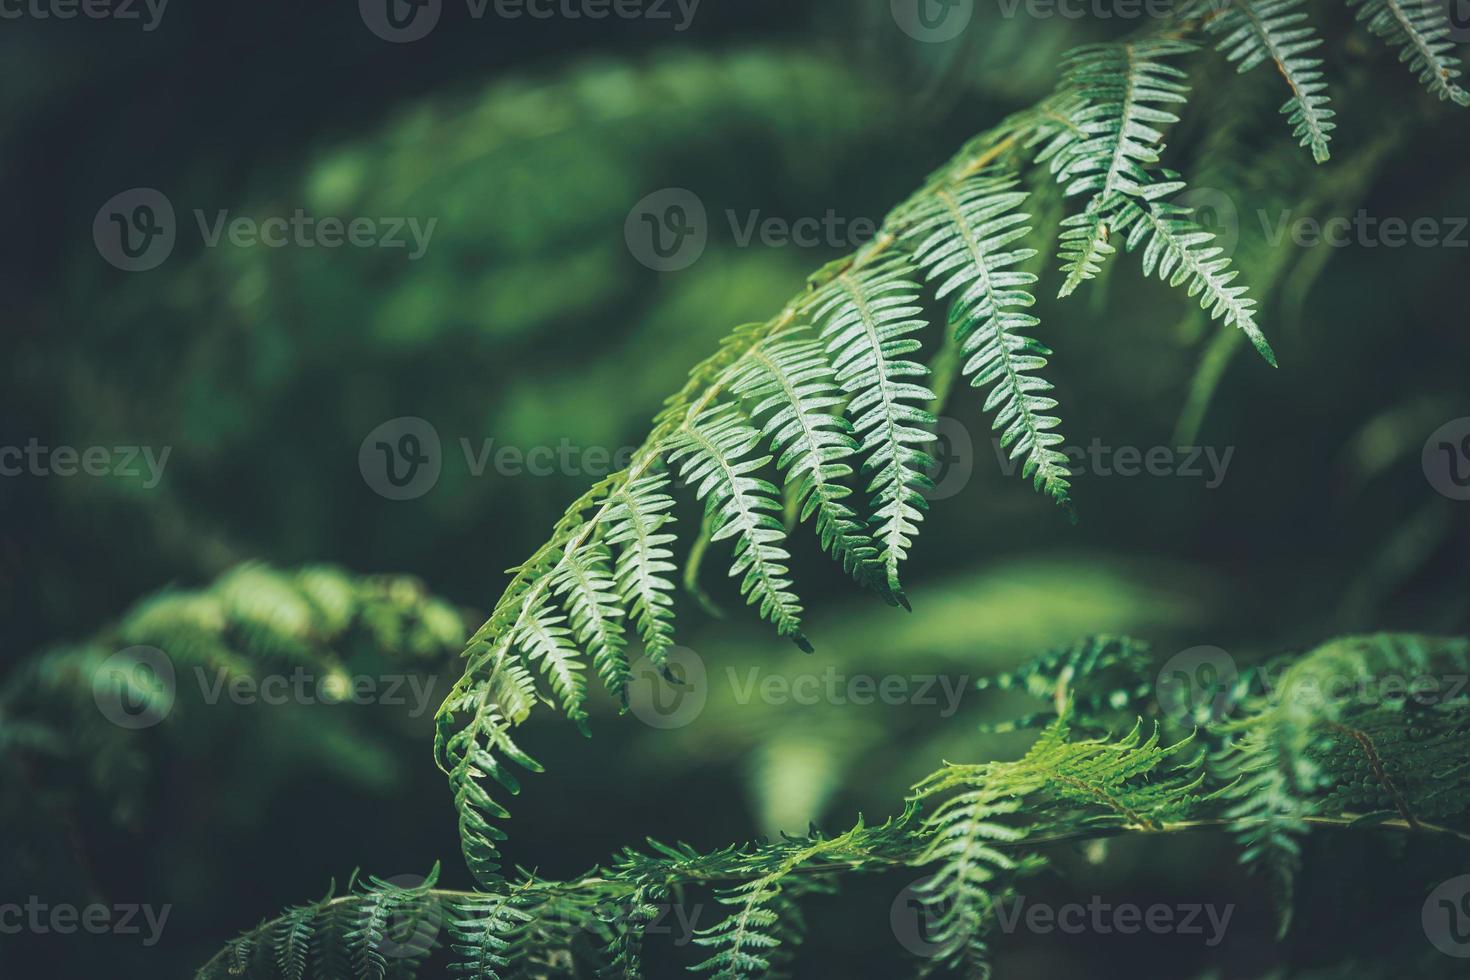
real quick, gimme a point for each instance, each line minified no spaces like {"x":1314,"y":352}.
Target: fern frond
{"x":793,"y":388}
{"x":1179,"y":251}
{"x":1085,"y":244}
{"x":1419,"y":31}
{"x":963,"y":237}
{"x":865,"y":321}
{"x":475,"y":751}
{"x":1127,"y":88}
{"x":1256,"y":31}
{"x":714,"y":456}
{"x":545,"y":639}
{"x":636,"y":518}
{"x":480,"y":933}
{"x":589,"y":591}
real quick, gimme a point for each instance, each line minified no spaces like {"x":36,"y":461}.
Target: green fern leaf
{"x":713,"y":454}
{"x":792,"y":387}
{"x":1419,"y":31}
{"x":866,"y":320}
{"x":1180,"y":252}
{"x":1256,"y":31}
{"x":963,"y":238}
{"x":637,"y":517}
{"x":1126,"y":87}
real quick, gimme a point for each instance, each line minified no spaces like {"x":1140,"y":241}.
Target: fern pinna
{"x":825,"y":410}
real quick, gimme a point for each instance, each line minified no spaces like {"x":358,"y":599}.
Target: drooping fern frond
{"x":1419,"y":31}
{"x":866,"y":321}
{"x":590,"y":593}
{"x":793,"y":388}
{"x":963,"y":235}
{"x":1181,"y":253}
{"x":836,"y":391}
{"x":1256,"y":31}
{"x":714,"y":455}
{"x":638,"y":514}
{"x":1127,"y":89}
{"x":1085,"y":243}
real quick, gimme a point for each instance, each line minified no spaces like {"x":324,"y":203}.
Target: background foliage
{"x":528,"y":322}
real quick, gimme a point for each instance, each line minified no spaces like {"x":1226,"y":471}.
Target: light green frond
{"x":866,"y":321}
{"x":964,"y":237}
{"x":714,"y":456}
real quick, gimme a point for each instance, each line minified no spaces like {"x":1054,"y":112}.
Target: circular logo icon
{"x":916,"y":917}
{"x":933,"y":21}
{"x":1459,"y":18}
{"x":134,"y":688}
{"x":667,"y":230}
{"x":400,"y":21}
{"x":1446,"y":917}
{"x":671,"y":701}
{"x":1446,"y":459}
{"x":401,"y":459}
{"x":1215,"y":212}
{"x":414,"y":922}
{"x":135,"y":230}
{"x":1197,"y":686}
{"x":954,"y":459}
